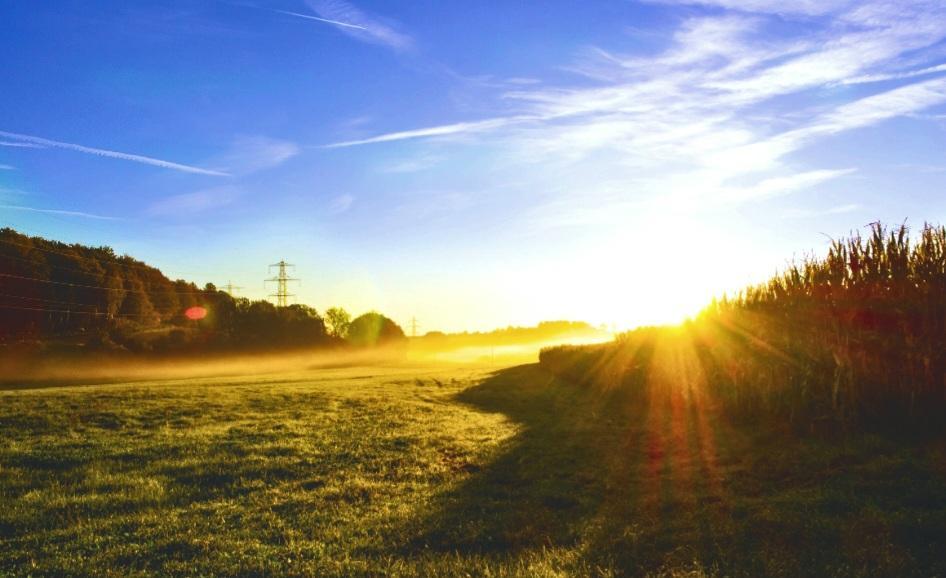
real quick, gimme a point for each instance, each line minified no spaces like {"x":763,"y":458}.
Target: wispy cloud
{"x":896,"y":75}
{"x":58,"y":212}
{"x":250,"y":154}
{"x":798,"y":7}
{"x":189,"y":204}
{"x":247,"y":155}
{"x":702,"y":122}
{"x":7,"y":168}
{"x":840,"y":209}
{"x":781,"y":185}
{"x":886,"y":105}
{"x":427,"y":132}
{"x":356,"y":23}
{"x":523,"y":80}
{"x":340,"y":204}
{"x":34,"y":140}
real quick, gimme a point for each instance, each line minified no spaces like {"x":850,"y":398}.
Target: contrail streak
{"x":58,"y":212}
{"x":111,"y":154}
{"x":326,"y":20}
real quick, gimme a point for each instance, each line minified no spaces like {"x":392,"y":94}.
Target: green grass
{"x":443,"y":471}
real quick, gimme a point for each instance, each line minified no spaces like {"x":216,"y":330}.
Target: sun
{"x":659,"y":274}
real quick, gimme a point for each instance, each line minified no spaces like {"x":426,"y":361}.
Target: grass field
{"x":448,"y":471}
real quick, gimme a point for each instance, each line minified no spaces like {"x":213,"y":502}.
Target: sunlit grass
{"x":277,"y":475}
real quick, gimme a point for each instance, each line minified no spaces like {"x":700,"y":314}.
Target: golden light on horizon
{"x":656,"y":275}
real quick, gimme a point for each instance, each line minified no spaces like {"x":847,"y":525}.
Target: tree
{"x":338,"y":321}
{"x":301,"y":325}
{"x":136,"y":303}
{"x":374,"y":329}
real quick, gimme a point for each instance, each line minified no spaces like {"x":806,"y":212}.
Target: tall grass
{"x":858,"y":335}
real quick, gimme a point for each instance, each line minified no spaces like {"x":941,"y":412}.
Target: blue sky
{"x":473,"y":164}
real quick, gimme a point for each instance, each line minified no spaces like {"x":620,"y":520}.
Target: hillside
{"x":59,"y":296}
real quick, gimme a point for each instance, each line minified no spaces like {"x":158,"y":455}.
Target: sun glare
{"x":195,"y":313}
{"x":656,"y":276}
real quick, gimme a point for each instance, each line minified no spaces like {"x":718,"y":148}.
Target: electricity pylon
{"x":230,"y":288}
{"x":282,"y":280}
{"x":414,"y":326}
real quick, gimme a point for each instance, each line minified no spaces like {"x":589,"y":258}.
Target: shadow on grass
{"x":586,"y":470}
{"x":660,"y":482}
{"x":521,"y":499}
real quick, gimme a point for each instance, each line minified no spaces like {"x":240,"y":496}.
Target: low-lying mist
{"x":101,"y":368}
{"x":505,"y":353}
{"x":20,"y":372}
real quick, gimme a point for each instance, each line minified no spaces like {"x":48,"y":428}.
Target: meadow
{"x":445,"y":470}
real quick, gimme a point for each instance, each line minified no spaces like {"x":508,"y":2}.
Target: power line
{"x":95,"y":306}
{"x":57,"y":301}
{"x":282,"y":281}
{"x":94,"y":313}
{"x":100,"y":287}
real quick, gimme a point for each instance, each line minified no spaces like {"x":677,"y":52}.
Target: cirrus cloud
{"x":700,"y":121}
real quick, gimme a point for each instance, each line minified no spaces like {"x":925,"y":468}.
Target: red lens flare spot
{"x":195,"y":313}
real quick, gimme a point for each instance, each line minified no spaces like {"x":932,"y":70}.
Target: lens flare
{"x":195,"y":313}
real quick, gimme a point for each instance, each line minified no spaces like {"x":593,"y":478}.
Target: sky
{"x":473,"y":164}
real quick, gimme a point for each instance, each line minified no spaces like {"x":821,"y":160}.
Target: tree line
{"x":545,"y":330}
{"x":58,"y":295}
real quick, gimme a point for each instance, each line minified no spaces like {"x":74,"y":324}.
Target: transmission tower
{"x":414,"y":325}
{"x":230,"y":288}
{"x":282,"y":280}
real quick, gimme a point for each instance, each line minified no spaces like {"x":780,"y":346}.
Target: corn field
{"x":856,"y":336}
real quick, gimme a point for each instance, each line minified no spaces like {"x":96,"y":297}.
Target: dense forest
{"x":55,"y":296}
{"x":858,"y":336}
